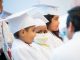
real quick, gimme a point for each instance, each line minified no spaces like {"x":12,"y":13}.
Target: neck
{"x":27,"y":41}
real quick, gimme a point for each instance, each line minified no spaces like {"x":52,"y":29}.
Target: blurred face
{"x":54,"y":24}
{"x":41,"y":29}
{"x":41,"y":36}
{"x":1,"y":7}
{"x":70,"y":31}
{"x":28,"y":35}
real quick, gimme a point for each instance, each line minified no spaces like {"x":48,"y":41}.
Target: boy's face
{"x":29,"y":35}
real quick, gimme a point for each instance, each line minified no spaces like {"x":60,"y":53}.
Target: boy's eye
{"x":39,"y":31}
{"x":34,"y":30}
{"x":45,"y":31}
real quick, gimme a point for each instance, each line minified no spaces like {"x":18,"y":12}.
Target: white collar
{"x":76,"y":36}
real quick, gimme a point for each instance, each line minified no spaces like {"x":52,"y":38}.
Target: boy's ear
{"x":22,"y":32}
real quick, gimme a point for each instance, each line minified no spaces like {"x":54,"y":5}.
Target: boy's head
{"x":73,"y":21}
{"x":22,"y":26}
{"x":26,"y":34}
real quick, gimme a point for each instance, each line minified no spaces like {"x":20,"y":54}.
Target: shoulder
{"x":18,"y":45}
{"x":66,"y":51}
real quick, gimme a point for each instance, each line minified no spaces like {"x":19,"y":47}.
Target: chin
{"x":55,"y":30}
{"x":29,"y":42}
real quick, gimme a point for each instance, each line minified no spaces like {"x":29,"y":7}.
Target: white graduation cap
{"x":47,"y":9}
{"x":36,"y":14}
{"x":40,"y":22}
{"x":19,"y":21}
{"x":44,"y":9}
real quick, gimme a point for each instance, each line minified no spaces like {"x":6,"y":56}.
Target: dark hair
{"x":74,"y":18}
{"x":49,"y":18}
{"x":68,"y":21}
{"x":16,"y":35}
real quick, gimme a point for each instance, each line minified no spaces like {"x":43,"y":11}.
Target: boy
{"x":23,"y":28}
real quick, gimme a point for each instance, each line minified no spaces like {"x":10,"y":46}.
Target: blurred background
{"x":19,"y":5}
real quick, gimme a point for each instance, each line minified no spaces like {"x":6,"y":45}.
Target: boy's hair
{"x":16,"y":35}
{"x":74,"y":18}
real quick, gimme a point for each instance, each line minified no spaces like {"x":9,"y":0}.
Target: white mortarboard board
{"x":40,"y":22}
{"x":47,"y":9}
{"x":37,"y":15}
{"x":20,"y":21}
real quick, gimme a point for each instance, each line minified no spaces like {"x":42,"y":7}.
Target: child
{"x":23,"y":28}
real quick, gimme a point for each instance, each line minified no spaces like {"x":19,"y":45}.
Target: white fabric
{"x":68,"y":51}
{"x":8,"y":37}
{"x":46,"y":43}
{"x":62,"y":25}
{"x":38,"y":15}
{"x":19,"y":21}
{"x":39,"y":22}
{"x":1,"y":36}
{"x":47,"y":9}
{"x":3,"y":15}
{"x":48,"y":40}
{"x":23,"y":51}
{"x":46,"y":51}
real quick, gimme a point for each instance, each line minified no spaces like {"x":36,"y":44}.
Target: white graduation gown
{"x":3,"y":15}
{"x":68,"y":51}
{"x":46,"y":43}
{"x":53,"y":40}
{"x":48,"y":40}
{"x":23,"y":51}
{"x":46,"y":51}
